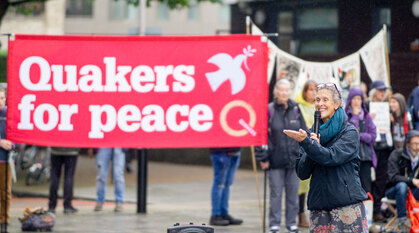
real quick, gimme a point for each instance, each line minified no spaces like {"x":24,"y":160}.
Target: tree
{"x":172,"y":4}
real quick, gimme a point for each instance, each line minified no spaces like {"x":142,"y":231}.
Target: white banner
{"x":289,"y":67}
{"x":271,"y":53}
{"x":321,"y":72}
{"x":374,"y":56}
{"x":348,"y":71}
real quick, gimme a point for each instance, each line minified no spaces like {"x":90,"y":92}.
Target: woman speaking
{"x":332,"y":160}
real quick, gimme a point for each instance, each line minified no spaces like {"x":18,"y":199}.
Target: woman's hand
{"x":299,"y":135}
{"x":6,"y":144}
{"x":264,"y":165}
{"x":314,"y":136}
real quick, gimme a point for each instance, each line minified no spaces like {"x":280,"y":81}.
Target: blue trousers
{"x":399,"y":192}
{"x":103,"y":158}
{"x":225,"y":167}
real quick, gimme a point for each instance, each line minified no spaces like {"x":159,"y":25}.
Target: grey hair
{"x":336,"y":94}
{"x":282,"y":81}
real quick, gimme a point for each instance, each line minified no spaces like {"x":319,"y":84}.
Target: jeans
{"x":399,"y":192}
{"x":103,"y":158}
{"x":225,"y":167}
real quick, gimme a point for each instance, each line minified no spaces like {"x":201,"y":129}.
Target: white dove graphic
{"x":229,"y":69}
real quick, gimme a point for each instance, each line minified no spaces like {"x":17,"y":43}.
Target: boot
{"x":302,"y":220}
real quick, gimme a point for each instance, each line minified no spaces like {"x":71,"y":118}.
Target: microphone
{"x":316,"y":122}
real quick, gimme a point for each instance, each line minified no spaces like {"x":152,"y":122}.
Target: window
{"x":79,"y":8}
{"x":285,"y":30}
{"x":225,"y":12}
{"x":120,"y":9}
{"x":381,"y":16}
{"x":317,"y":18}
{"x":193,"y":12}
{"x":163,"y":11}
{"x":316,"y":30}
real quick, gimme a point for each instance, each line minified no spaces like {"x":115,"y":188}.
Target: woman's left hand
{"x":299,"y":135}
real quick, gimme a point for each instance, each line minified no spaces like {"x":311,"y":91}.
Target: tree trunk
{"x":4,"y":5}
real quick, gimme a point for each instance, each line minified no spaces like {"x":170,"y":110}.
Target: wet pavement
{"x":176,"y":194}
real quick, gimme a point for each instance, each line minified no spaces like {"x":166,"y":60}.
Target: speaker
{"x":191,"y":228}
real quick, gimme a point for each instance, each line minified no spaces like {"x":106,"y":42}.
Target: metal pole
{"x":264,"y":201}
{"x":142,"y":181}
{"x":142,"y":17}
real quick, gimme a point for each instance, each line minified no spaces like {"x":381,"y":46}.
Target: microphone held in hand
{"x":316,"y":122}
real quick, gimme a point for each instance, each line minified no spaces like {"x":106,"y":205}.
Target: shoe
{"x":3,"y":228}
{"x":98,"y":207}
{"x":379,"y":217}
{"x":232,"y":221}
{"x":218,"y":221}
{"x":302,"y":220}
{"x":274,"y":229}
{"x":293,"y":229}
{"x":119,"y":207}
{"x":51,"y":210}
{"x":402,"y":226}
{"x":70,"y":210}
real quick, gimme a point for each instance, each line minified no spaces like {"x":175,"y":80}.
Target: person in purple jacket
{"x":358,"y":116}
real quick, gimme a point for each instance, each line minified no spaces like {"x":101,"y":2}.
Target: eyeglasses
{"x":322,"y":85}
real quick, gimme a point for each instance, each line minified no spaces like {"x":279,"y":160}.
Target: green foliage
{"x":3,"y":66}
{"x":27,"y":7}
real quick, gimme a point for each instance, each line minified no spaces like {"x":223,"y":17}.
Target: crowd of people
{"x":337,"y":166}
{"x":348,"y":159}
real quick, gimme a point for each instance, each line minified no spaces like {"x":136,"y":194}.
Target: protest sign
{"x":380,"y":113}
{"x":143,"y":92}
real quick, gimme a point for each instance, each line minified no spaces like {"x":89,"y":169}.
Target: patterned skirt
{"x":351,"y":218}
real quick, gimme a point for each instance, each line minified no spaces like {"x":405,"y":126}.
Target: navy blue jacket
{"x":3,"y":152}
{"x":334,"y":170}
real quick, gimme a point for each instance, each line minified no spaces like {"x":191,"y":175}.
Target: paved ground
{"x":176,"y":194}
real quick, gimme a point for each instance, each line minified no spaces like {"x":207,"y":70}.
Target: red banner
{"x":139,"y":92}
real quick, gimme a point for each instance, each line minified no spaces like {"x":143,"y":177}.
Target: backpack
{"x":37,"y":219}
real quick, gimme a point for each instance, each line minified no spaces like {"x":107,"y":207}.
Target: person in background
{"x":305,"y":101}
{"x":363,"y":86}
{"x":382,"y":148}
{"x":403,"y":173}
{"x":5,"y":147}
{"x":103,"y":158}
{"x":225,"y":162}
{"x":67,"y":157}
{"x":358,"y":115}
{"x":335,"y":199}
{"x":400,"y":119}
{"x":413,"y":105}
{"x":280,"y":159}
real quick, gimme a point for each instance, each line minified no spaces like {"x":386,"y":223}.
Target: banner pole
{"x":252,"y":148}
{"x":386,"y":51}
{"x":248,"y":22}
